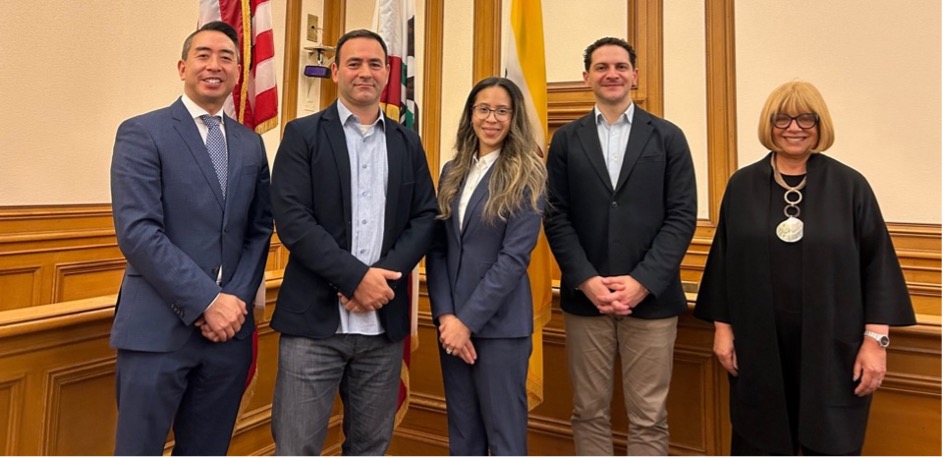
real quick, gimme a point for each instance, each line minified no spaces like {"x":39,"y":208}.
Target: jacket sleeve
{"x":712,"y":299}
{"x":437,"y":277}
{"x":561,"y":235}
{"x":520,"y":237}
{"x":136,"y":189}
{"x":885,"y":295}
{"x":659,"y":267}
{"x":413,"y":242}
{"x":258,"y":236}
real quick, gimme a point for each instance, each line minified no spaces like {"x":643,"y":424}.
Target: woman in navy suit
{"x":490,"y":198}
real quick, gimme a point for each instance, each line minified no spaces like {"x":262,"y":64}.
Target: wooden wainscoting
{"x":59,"y":269}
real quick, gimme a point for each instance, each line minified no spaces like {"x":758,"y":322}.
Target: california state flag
{"x":395,"y":21}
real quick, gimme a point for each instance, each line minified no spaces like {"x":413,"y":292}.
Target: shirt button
{"x":364,"y":194}
{"x":615,"y":204}
{"x":363,"y":222}
{"x":363,"y":251}
{"x":363,"y":166}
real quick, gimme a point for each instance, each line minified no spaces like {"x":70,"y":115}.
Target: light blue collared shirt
{"x":369,"y":174}
{"x":614,"y":139}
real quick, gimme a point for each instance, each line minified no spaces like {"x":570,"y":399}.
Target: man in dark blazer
{"x":190,"y":198}
{"x":354,"y":204}
{"x":622,"y":212}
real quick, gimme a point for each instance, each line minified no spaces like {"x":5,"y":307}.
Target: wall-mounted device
{"x":321,"y":69}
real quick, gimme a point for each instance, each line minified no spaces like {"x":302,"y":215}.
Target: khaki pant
{"x":646,"y":348}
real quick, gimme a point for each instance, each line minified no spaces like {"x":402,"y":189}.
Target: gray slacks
{"x":366,"y":370}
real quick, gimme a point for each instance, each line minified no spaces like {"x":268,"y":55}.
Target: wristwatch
{"x":882,"y":339}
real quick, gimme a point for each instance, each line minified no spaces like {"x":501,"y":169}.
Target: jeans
{"x":366,"y":369}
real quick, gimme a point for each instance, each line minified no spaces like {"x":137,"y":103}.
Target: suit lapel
{"x":396,"y":157}
{"x":186,"y":128}
{"x":589,"y":138}
{"x":638,"y":137}
{"x":235,"y":142}
{"x":477,"y":199}
{"x":338,"y":142}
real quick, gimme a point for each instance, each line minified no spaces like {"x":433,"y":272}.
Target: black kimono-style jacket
{"x":850,"y":276}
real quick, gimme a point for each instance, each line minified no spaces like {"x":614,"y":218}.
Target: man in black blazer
{"x":622,"y":212}
{"x":354,"y":204}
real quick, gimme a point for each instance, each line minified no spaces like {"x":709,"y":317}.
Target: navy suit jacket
{"x":641,"y":227}
{"x":311,"y":199}
{"x":176,"y":230}
{"x":479,"y":272}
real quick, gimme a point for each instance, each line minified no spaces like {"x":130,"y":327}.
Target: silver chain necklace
{"x":790,"y":230}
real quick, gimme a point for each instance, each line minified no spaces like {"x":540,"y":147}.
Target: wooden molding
{"x":430,"y":120}
{"x":335,"y":24}
{"x":721,"y":100}
{"x":11,"y":412}
{"x":486,"y":57}
{"x":291,"y":67}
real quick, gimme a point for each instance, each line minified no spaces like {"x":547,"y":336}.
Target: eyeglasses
{"x":805,"y":120}
{"x":483,"y":111}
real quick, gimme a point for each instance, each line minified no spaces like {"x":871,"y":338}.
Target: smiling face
{"x":794,"y":141}
{"x":491,"y":131}
{"x":611,"y":76}
{"x":362,"y":73}
{"x":210,"y":70}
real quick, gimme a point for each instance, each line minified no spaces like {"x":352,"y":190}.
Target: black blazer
{"x":641,"y":228}
{"x":312,"y":207}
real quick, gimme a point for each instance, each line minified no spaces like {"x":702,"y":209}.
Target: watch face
{"x":885,"y":341}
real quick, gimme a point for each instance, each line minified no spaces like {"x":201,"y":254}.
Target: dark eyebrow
{"x":208,"y":49}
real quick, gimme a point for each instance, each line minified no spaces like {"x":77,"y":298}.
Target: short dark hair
{"x":359,"y":33}
{"x":607,"y":41}
{"x":216,"y":26}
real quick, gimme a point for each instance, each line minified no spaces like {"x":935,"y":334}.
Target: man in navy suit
{"x":190,"y":196}
{"x":354,"y":204}
{"x":623,"y":209}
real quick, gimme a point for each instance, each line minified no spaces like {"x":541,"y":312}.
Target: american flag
{"x":254,"y":101}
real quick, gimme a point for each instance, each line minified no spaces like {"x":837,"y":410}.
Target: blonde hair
{"x":519,"y":176}
{"x":796,"y":97}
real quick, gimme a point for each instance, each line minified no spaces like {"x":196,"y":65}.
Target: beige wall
{"x":685,"y":70}
{"x":879,"y":69}
{"x":71,"y":72}
{"x":877,"y":64}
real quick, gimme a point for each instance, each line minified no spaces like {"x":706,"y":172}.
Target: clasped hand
{"x":614,"y":295}
{"x":223,"y":318}
{"x":372,"y":293}
{"x":456,"y":338}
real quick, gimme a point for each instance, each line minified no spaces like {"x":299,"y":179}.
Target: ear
{"x":334,"y":71}
{"x":586,"y":78}
{"x":181,"y":68}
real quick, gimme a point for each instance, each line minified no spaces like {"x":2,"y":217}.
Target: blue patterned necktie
{"x":216,"y":146}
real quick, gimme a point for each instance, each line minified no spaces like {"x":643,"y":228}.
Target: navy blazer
{"x":479,"y":272}
{"x":641,"y":227}
{"x":311,"y":199}
{"x":176,"y":230}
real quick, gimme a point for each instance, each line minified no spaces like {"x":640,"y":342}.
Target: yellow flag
{"x":525,"y":65}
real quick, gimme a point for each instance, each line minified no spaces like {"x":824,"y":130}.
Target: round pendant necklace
{"x":790,"y":230}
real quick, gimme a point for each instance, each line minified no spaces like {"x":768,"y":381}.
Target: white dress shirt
{"x":369,"y":175}
{"x":479,"y":168}
{"x":614,"y":139}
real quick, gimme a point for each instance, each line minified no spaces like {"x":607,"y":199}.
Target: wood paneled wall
{"x":57,"y":370}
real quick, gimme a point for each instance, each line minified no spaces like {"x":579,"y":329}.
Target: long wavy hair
{"x":519,"y":176}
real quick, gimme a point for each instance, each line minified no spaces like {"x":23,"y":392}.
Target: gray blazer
{"x":479,"y":273}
